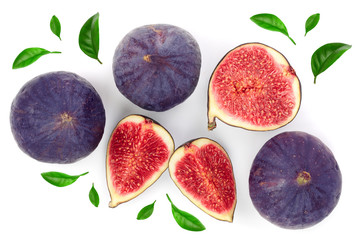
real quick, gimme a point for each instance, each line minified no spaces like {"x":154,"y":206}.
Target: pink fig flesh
{"x":138,"y":153}
{"x":203,"y":172}
{"x":253,"y":87}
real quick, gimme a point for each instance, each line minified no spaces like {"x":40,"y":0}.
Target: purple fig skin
{"x":295,"y":181}
{"x":157,"y":66}
{"x":57,"y":117}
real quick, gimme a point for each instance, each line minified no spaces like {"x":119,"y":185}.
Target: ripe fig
{"x":203,"y":172}
{"x":138,"y":153}
{"x":157,"y":66}
{"x":57,"y":117}
{"x":295,"y":181}
{"x":253,"y":87}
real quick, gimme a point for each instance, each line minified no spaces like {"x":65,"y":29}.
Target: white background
{"x":32,"y":208}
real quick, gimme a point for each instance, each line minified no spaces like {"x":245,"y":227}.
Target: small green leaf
{"x":55,"y":26}
{"x":89,"y":37}
{"x":325,"y":56}
{"x":146,"y":211}
{"x":60,"y":179}
{"x":94,"y":196}
{"x":29,"y":56}
{"x":184,"y":219}
{"x":272,"y":23}
{"x":311,"y":22}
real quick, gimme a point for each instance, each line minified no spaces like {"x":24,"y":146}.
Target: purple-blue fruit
{"x":295,"y":181}
{"x":57,"y":117}
{"x":157,"y":66}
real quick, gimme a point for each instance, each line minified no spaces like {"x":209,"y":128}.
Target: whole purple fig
{"x":295,"y":181}
{"x":157,"y":66}
{"x":57,"y":117}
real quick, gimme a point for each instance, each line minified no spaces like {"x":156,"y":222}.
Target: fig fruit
{"x":203,"y":172}
{"x":157,"y":66}
{"x":253,"y":87}
{"x":295,"y":181}
{"x":57,"y":117}
{"x":138,"y":153}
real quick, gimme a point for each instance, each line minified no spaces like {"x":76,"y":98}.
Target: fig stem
{"x":211,"y":125}
{"x":303,"y":178}
{"x":147,"y":58}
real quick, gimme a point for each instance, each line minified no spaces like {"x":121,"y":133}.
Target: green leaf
{"x":94,"y":196}
{"x":55,"y":26}
{"x":146,"y":211}
{"x":271,"y":22}
{"x":29,"y":56}
{"x":184,"y":219}
{"x":89,"y":37}
{"x":60,"y":179}
{"x":311,"y":22}
{"x":325,"y":56}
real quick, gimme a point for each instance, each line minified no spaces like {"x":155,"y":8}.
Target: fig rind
{"x":203,"y":172}
{"x":255,"y":88}
{"x":138,"y":153}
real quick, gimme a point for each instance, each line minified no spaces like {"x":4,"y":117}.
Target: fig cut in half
{"x":138,"y":153}
{"x":253,"y":87}
{"x":203,"y":172}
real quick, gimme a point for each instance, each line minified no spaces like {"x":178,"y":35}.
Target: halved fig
{"x":253,"y":87}
{"x":203,"y":172}
{"x":138,"y":153}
